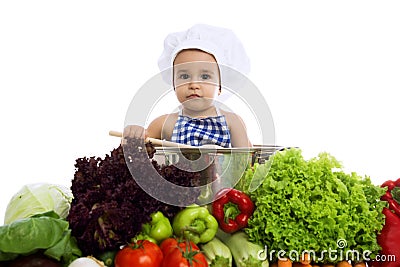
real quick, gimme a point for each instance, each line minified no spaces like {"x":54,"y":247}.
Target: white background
{"x":329,"y":71}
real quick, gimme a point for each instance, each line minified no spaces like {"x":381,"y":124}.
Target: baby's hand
{"x":134,"y":131}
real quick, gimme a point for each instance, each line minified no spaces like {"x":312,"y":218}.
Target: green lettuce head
{"x":38,"y":198}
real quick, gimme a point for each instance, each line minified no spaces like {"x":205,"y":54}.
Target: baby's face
{"x":196,"y":79}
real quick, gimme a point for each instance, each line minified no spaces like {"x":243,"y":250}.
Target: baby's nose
{"x":194,"y":85}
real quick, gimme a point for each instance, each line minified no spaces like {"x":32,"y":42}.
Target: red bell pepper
{"x":389,"y":237}
{"x":389,"y":240}
{"x":232,"y":209}
{"x":392,"y":195}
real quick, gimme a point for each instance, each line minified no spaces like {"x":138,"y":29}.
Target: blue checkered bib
{"x":201,"y":131}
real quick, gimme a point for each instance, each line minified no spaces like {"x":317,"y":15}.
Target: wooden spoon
{"x":155,"y":141}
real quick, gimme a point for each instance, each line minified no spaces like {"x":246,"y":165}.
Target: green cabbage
{"x":38,"y":198}
{"x":45,"y":234}
{"x":313,"y":205}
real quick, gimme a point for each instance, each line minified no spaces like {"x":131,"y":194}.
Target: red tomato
{"x":168,"y":244}
{"x":143,"y":253}
{"x":185,"y":254}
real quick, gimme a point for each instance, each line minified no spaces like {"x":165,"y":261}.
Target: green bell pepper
{"x":157,"y":230}
{"x":196,"y":224}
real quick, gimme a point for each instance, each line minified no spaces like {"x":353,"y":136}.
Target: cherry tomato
{"x":184,"y":254}
{"x":143,"y":253}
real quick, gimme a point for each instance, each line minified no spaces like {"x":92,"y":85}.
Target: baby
{"x":196,"y":57}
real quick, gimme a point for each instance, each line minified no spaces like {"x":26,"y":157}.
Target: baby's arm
{"x":238,"y":131}
{"x":155,"y":128}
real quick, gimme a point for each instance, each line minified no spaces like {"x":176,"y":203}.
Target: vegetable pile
{"x":109,"y":207}
{"x":311,"y":204}
{"x":300,"y":205}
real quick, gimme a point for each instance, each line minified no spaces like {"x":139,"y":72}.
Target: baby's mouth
{"x":193,"y":96}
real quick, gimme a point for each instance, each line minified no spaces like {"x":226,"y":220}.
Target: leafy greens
{"x":43,"y":232}
{"x":311,"y":205}
{"x":109,"y":207}
{"x":38,"y":198}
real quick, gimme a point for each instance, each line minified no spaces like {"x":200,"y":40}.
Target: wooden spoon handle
{"x":155,"y":141}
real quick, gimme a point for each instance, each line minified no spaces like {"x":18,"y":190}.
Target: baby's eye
{"x":184,"y":76}
{"x":205,"y":77}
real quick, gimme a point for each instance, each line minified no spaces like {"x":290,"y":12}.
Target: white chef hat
{"x":222,"y":43}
